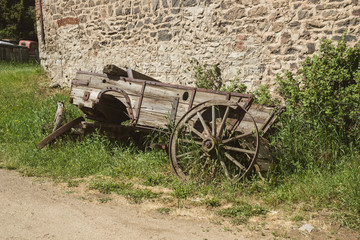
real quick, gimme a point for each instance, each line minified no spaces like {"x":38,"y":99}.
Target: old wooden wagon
{"x":213,"y":132}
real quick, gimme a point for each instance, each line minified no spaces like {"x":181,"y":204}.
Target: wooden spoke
{"x":191,"y":141}
{"x":232,"y":159}
{"x":213,"y":132}
{"x":222,"y":125}
{"x":184,"y":154}
{"x":226,"y":171}
{"x":237,"y":137}
{"x":236,"y":149}
{"x":237,"y":121}
{"x":206,"y":128}
{"x":192,"y":129}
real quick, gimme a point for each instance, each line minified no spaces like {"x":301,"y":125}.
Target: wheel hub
{"x":209,"y":144}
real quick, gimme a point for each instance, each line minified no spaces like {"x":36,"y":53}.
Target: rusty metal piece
{"x":192,"y":99}
{"x":125,"y":95}
{"x":228,"y":96}
{"x":86,"y":96}
{"x":140,"y":100}
{"x":174,"y":108}
{"x":270,"y":121}
{"x":249,"y":102}
{"x":59,"y":132}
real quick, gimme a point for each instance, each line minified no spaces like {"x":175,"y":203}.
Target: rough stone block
{"x":139,"y":24}
{"x":315,"y":24}
{"x":310,"y":48}
{"x":164,"y":35}
{"x":136,"y":10}
{"x":285,"y":38}
{"x":118,"y":11}
{"x":291,"y":50}
{"x":155,"y":5}
{"x":277,"y":27}
{"x":356,"y":12}
{"x":175,"y":11}
{"x":295,"y":24}
{"x":165,"y":4}
{"x":258,"y":12}
{"x":235,"y":13}
{"x":188,"y":3}
{"x":175,"y":3}
{"x":302,"y":14}
{"x":345,"y":23}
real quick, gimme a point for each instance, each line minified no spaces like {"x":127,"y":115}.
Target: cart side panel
{"x":153,"y":104}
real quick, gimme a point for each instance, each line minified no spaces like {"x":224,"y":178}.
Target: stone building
{"x":250,"y":39}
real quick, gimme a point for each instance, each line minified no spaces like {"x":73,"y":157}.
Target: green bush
{"x":317,"y":141}
{"x":206,"y":76}
{"x":327,"y":89}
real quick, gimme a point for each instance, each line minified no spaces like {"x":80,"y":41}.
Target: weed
{"x":107,"y":186}
{"x":182,"y":191}
{"x":280,"y":234}
{"x":240,"y":213}
{"x":212,"y":202}
{"x":297,"y":218}
{"x":262,"y":96}
{"x":136,"y":195}
{"x":72,"y":183}
{"x":104,"y":200}
{"x":139,"y":195}
{"x":155,"y":180}
{"x":163,"y":210}
{"x":235,"y":85}
{"x":206,"y":76}
{"x":347,"y":219}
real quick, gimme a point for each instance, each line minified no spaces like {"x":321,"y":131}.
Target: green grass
{"x":26,"y":103}
{"x":136,"y":195}
{"x":241,"y":212}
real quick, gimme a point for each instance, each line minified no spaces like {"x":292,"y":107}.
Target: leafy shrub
{"x":262,"y":96}
{"x":327,"y":88}
{"x":317,"y":143}
{"x":206,"y":76}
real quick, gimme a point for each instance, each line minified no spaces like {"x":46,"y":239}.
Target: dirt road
{"x":33,"y":210}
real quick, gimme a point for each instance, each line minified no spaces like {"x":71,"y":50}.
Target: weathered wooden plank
{"x":158,"y":91}
{"x":153,"y":119}
{"x":162,"y":107}
{"x":77,"y":94}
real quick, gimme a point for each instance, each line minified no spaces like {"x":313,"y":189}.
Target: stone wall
{"x":256,"y":38}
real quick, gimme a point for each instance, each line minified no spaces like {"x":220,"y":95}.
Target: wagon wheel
{"x":214,"y":139}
